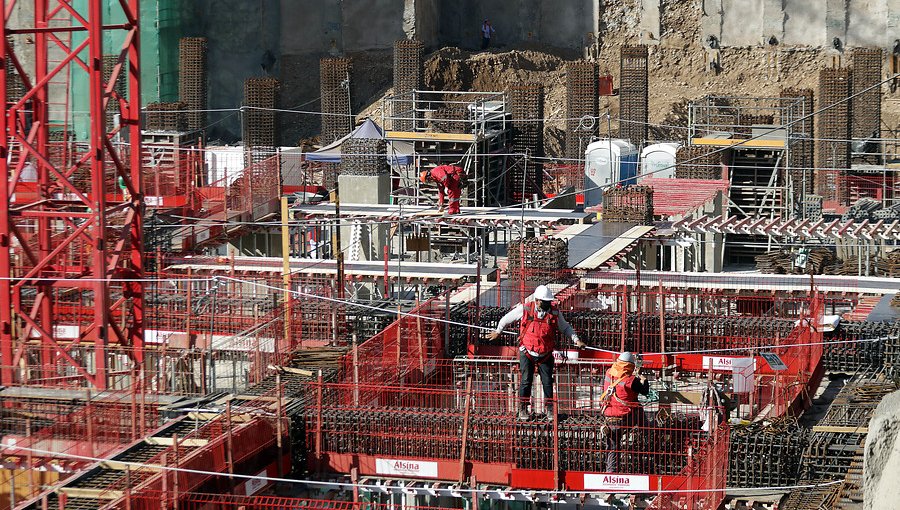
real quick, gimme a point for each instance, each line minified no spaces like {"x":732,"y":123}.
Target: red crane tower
{"x":71,"y":254}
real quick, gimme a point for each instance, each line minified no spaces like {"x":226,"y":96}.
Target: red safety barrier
{"x":405,"y":352}
{"x":218,"y":446}
{"x":462,"y":423}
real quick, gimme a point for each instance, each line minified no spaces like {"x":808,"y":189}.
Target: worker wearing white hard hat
{"x":539,"y":324}
{"x":621,"y":387}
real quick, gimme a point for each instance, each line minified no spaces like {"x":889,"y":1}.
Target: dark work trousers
{"x":612,"y":441}
{"x":526,"y":369}
{"x":485,"y":42}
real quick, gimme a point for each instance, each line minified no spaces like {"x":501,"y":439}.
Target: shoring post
{"x":465,"y":431}
{"x":164,"y":500}
{"x":44,"y":505}
{"x":143,"y":406}
{"x":624,"y":317}
{"x":319,"y":419}
{"x":63,"y":499}
{"x":89,"y":422}
{"x":386,"y":257}
{"x":399,"y":339}
{"x":555,"y":403}
{"x":473,"y":483}
{"x":132,"y":397}
{"x":127,"y":487}
{"x":421,"y":343}
{"x":354,"y":478}
{"x":279,"y":410}
{"x":29,"y":457}
{"x":498,"y":288}
{"x":446,"y":319}
{"x":662,"y":324}
{"x":175,"y":471}
{"x":478,"y":293}
{"x":355,"y":370}
{"x":286,"y":269}
{"x":229,"y":453}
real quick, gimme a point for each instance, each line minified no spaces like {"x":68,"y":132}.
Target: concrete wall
{"x":555,"y":23}
{"x":802,"y":22}
{"x":372,"y":24}
{"x":239,"y":33}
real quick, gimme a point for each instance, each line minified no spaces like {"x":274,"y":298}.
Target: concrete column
{"x":773,"y":20}
{"x":651,"y":24}
{"x":364,"y":189}
{"x":835,"y":21}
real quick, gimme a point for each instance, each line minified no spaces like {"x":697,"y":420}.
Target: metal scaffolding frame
{"x":73,"y":236}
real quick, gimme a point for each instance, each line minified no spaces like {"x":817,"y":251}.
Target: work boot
{"x":523,"y":414}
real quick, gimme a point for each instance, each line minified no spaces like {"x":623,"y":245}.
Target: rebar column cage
{"x":71,"y":256}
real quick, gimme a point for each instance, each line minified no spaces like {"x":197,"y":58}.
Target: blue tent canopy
{"x":399,"y":153}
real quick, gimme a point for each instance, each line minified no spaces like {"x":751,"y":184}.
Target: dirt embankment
{"x":678,"y":69}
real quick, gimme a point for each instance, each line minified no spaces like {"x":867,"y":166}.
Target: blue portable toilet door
{"x":628,"y":169}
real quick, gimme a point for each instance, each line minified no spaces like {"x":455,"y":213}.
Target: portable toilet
{"x":607,"y":162}
{"x":658,"y":160}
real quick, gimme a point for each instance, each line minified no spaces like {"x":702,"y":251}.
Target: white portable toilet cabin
{"x":607,"y":162}
{"x":658,"y":160}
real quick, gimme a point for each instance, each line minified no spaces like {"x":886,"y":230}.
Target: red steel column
{"x":6,"y":339}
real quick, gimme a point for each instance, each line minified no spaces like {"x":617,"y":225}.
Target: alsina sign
{"x":614,"y":482}
{"x":403,"y":467}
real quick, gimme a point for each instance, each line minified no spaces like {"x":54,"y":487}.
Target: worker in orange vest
{"x":539,"y":324}
{"x":621,"y":407}
{"x":450,"y":180}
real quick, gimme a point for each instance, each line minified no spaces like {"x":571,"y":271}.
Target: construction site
{"x":420,"y":254}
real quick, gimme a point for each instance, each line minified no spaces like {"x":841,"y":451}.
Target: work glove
{"x":579,"y":344}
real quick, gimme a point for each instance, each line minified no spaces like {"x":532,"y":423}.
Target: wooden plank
{"x":437,"y":137}
{"x":612,"y":249}
{"x":841,"y":430}
{"x":730,"y":142}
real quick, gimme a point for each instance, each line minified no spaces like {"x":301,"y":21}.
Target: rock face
{"x":882,"y":461}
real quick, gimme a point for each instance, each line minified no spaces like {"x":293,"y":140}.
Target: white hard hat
{"x":627,"y":357}
{"x":542,"y":293}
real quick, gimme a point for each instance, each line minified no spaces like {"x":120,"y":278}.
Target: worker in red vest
{"x":621,"y":407}
{"x":450,"y":180}
{"x":539,"y":324}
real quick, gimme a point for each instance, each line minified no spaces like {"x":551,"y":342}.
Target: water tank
{"x":608,"y":162}
{"x":658,"y":160}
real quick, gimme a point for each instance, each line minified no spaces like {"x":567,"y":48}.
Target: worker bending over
{"x":450,"y":180}
{"x":539,"y":324}
{"x":621,"y":388}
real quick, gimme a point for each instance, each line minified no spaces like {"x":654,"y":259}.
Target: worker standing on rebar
{"x":621,"y":407}
{"x":539,"y":324}
{"x":450,"y":180}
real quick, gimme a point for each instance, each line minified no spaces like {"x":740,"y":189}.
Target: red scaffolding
{"x":78,"y":235}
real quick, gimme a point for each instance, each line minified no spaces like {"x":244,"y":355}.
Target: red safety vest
{"x":538,"y":335}
{"x":623,"y":400}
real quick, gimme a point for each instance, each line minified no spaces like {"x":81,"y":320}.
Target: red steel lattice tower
{"x":71,"y":259}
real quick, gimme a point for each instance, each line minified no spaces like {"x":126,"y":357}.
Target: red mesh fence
{"x":405,"y":352}
{"x":702,"y":485}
